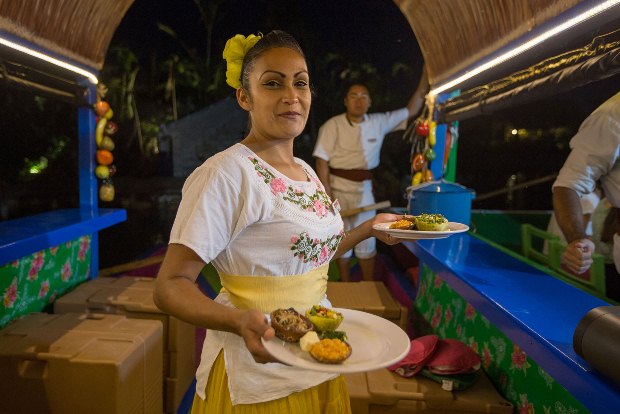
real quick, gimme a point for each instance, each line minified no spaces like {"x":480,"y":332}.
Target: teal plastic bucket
{"x":440,"y":197}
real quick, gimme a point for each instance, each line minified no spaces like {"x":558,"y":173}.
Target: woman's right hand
{"x":252,"y":326}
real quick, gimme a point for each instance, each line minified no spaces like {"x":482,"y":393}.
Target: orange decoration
{"x":104,"y":157}
{"x":428,"y":176}
{"x":102,"y":107}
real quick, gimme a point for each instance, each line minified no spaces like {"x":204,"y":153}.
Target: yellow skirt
{"x":330,"y":397}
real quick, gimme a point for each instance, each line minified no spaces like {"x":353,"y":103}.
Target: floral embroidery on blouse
{"x":315,"y":250}
{"x":318,"y":202}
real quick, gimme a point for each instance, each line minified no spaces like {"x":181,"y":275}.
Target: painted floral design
{"x":65,"y":273}
{"x":314,"y":250}
{"x":31,"y":283}
{"x":448,"y":314}
{"x":525,"y":407}
{"x":470,"y":312}
{"x":45,"y":287}
{"x":436,"y":317}
{"x":37,"y":264}
{"x":84,"y":248}
{"x":486,"y":357}
{"x":10,"y":294}
{"x":519,"y":359}
{"x":318,"y":203}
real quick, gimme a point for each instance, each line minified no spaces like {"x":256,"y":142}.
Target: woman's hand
{"x":381,"y":235}
{"x":252,"y":326}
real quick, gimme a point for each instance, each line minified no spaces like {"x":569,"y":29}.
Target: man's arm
{"x":322,"y":170}
{"x":568,"y":213}
{"x":417,"y":99}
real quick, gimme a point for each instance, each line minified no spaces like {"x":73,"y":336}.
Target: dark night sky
{"x":374,"y":29}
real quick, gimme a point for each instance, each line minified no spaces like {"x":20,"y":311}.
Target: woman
{"x":262,"y":217}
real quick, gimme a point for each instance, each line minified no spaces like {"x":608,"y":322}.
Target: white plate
{"x":375,"y":343}
{"x":453,"y":228}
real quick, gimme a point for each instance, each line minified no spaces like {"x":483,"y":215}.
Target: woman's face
{"x":279,"y":98}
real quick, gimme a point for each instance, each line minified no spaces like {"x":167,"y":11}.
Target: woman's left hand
{"x":381,"y":235}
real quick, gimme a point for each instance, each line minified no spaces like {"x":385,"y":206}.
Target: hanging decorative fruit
{"x":417,"y":178}
{"x":427,"y":176}
{"x":423,"y":140}
{"x":422,"y":128}
{"x":418,"y":162}
{"x":105,"y":145}
{"x":106,"y":191}
{"x":430,"y":154}
{"x":432,"y":137}
{"x":102,"y":108}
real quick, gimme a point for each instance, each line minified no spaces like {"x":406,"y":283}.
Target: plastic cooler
{"x":441,"y":197}
{"x":371,"y":297}
{"x":133,"y":297}
{"x":76,"y":363}
{"x":383,"y":392}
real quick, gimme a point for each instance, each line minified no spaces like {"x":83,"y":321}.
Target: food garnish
{"x":342,"y":335}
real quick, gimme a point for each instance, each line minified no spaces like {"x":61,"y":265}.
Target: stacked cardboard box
{"x":383,"y":392}
{"x":133,"y":297}
{"x":371,"y":297}
{"x":76,"y":363}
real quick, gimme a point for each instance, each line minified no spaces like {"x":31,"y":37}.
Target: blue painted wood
{"x":86,"y":151}
{"x":87,"y":148}
{"x":27,"y":235}
{"x":535,"y":310}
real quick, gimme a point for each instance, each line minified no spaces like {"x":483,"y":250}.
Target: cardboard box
{"x":371,"y":297}
{"x":75,"y":363}
{"x":133,"y":297}
{"x":383,"y":392}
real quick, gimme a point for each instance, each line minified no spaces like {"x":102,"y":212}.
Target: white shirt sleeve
{"x":594,"y":152}
{"x":391,"y":120}
{"x":326,"y":141}
{"x":211,"y":211}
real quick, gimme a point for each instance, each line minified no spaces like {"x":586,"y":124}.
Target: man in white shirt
{"x":595,"y":154}
{"x":348,"y":148}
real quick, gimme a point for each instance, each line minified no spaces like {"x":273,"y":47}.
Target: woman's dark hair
{"x":273,"y":39}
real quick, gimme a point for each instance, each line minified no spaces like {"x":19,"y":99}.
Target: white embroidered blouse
{"x":247,"y":218}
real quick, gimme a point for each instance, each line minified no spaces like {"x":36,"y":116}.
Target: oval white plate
{"x":375,"y":343}
{"x":453,"y":228}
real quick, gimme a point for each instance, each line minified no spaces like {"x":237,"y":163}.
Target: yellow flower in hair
{"x":234,"y":52}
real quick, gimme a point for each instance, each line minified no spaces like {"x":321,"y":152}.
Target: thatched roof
{"x":454,"y":34}
{"x":78,"y":29}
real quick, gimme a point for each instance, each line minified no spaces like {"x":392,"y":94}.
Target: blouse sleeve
{"x":213,"y":209}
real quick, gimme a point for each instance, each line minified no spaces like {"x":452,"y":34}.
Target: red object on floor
{"x":421,"y":352}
